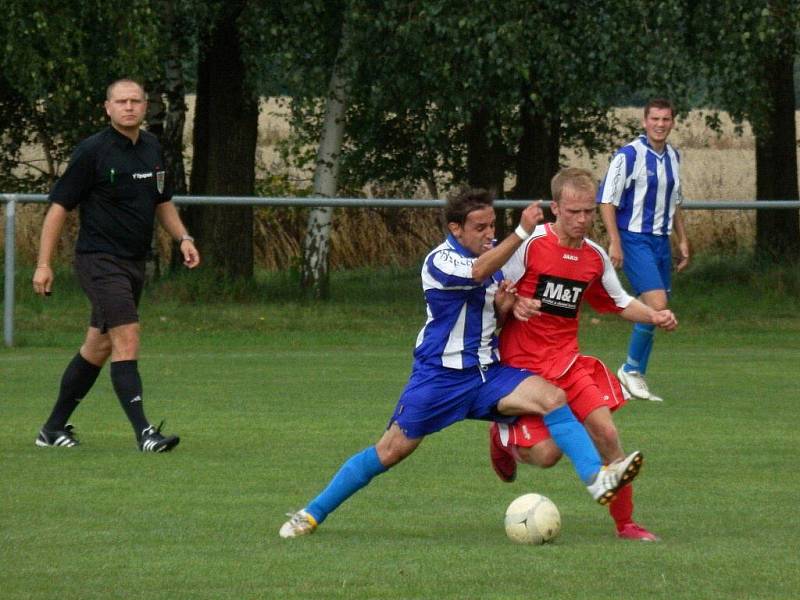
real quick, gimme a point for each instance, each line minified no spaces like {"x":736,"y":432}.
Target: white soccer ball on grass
{"x":532,"y":519}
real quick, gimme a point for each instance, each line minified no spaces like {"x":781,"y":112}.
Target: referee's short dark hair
{"x":124,"y":80}
{"x":463,"y":200}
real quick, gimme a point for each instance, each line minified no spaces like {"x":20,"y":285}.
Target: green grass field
{"x":270,"y":395}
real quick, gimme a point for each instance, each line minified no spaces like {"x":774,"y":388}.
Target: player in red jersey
{"x":555,"y":270}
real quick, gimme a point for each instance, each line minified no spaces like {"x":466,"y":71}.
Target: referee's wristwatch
{"x":186,"y":238}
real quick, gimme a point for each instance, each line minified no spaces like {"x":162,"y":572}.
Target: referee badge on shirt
{"x":160,"y":178}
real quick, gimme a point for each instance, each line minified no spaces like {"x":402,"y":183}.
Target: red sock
{"x":621,"y":507}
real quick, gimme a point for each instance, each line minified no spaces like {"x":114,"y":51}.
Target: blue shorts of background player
{"x":648,"y":261}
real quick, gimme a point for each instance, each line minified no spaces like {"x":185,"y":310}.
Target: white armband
{"x":521,"y":233}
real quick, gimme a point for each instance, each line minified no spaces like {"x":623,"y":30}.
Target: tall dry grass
{"x":715,"y":166}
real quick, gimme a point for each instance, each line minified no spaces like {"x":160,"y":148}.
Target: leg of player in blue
{"x":602,"y":482}
{"x":644,"y":358}
{"x":641,"y":342}
{"x":631,"y":374}
{"x":356,"y":472}
{"x":571,"y":437}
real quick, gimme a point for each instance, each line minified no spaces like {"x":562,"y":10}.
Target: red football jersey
{"x":561,"y":278}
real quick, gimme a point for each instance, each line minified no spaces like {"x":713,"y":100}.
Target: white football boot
{"x":611,"y":478}
{"x":634,"y":382}
{"x":300,"y":523}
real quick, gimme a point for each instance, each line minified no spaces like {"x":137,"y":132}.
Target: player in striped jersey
{"x":457,"y":374}
{"x":640,"y":201}
{"x":559,"y":268}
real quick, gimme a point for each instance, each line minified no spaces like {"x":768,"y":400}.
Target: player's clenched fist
{"x":665,"y":319}
{"x":531,"y":216}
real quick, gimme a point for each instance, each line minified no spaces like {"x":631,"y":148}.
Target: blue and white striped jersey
{"x":644,"y":186}
{"x":460,"y":330}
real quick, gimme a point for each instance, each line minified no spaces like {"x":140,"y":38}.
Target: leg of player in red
{"x":545,"y":454}
{"x":593,"y":393}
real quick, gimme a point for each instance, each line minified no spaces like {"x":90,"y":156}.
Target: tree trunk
{"x":223,"y":164}
{"x":777,"y":230}
{"x":166,"y":113}
{"x":315,"y":278}
{"x":156,"y":113}
{"x":538,"y":155}
{"x":486,"y":156}
{"x":486,"y":161}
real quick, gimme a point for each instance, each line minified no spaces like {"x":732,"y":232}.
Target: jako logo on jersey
{"x":142,"y":175}
{"x":570,"y":257}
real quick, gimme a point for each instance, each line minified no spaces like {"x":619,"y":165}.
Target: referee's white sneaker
{"x":611,"y":478}
{"x":636,"y":385}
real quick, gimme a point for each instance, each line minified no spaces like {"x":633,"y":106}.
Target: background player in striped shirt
{"x":559,"y":268}
{"x":640,"y":201}
{"x":457,"y":373}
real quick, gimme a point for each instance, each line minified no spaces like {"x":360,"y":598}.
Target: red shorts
{"x":588,"y":385}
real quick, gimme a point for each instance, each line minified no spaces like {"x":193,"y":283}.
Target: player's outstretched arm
{"x":493,"y":259}
{"x":639,"y":312}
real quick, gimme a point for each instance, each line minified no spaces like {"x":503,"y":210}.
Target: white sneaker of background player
{"x":634,"y":382}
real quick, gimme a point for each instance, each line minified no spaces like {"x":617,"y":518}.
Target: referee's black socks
{"x":128,"y":386}
{"x":77,"y":380}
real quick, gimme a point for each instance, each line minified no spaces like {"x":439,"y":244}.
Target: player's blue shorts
{"x":436,"y":397}
{"x":647,"y":261}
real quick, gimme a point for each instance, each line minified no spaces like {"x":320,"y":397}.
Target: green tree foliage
{"x":57,"y":59}
{"x":747,"y":51}
{"x":464,"y":91}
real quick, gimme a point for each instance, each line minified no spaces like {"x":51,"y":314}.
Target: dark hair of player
{"x":463,"y":201}
{"x":659,"y":103}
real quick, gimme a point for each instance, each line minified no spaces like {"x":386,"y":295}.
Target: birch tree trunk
{"x":166,"y":111}
{"x":315,"y":278}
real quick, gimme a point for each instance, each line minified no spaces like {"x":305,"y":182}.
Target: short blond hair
{"x":577,"y":179}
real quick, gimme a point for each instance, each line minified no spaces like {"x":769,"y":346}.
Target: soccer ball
{"x":532,"y":519}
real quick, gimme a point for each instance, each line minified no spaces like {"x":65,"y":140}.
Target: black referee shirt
{"x":117,"y":185}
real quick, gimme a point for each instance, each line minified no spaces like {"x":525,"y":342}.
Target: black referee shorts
{"x":114,"y":287}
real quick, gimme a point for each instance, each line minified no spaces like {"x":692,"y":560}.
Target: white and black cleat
{"x":63,"y":438}
{"x":153,"y":441}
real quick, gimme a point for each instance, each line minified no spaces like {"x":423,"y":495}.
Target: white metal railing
{"x":11,"y":200}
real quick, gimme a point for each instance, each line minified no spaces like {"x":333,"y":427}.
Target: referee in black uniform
{"x":117,"y":179}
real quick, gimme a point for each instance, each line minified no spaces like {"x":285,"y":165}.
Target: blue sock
{"x":647,"y":350}
{"x":641,"y":339}
{"x":356,"y":472}
{"x":571,"y":437}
